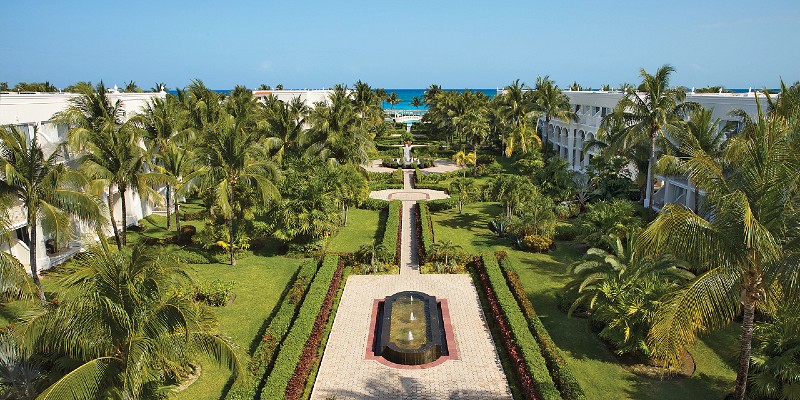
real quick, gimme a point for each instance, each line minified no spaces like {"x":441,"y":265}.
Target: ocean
{"x":406,"y":95}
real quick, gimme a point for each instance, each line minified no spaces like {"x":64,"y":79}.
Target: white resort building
{"x":31,"y":112}
{"x":568,"y":138}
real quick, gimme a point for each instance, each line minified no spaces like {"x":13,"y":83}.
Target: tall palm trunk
{"x":111,"y":214}
{"x":546,"y":129}
{"x":746,"y":346}
{"x":231,"y":202}
{"x":32,"y":250}
{"x":177,"y":216}
{"x":650,"y":170}
{"x":345,"y":210}
{"x":475,"y":164}
{"x":168,"y":207}
{"x":122,"y":189}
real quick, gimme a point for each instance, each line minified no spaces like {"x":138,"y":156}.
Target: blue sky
{"x":408,"y":44}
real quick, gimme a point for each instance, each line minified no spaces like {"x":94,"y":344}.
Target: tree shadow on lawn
{"x":698,"y":386}
{"x":383,"y":215}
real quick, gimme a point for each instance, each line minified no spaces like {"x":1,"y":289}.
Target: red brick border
{"x":452,"y":347}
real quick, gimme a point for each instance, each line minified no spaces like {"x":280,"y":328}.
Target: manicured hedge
{"x":432,"y":186}
{"x":523,"y":337}
{"x":373,"y":204}
{"x":426,"y":230}
{"x":384,"y":186}
{"x":293,"y":346}
{"x":559,"y":370}
{"x":442,"y":204}
{"x":297,"y":384}
{"x":246,"y":387}
{"x":391,"y":235}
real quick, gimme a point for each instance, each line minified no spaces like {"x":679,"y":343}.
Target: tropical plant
{"x":416,"y":102}
{"x":701,"y":132}
{"x":552,"y":103}
{"x":621,"y":290}
{"x":351,"y":187}
{"x":445,"y":249}
{"x":125,"y":316}
{"x":337,"y":133}
{"x":518,"y":107}
{"x":21,"y":377}
{"x":49,"y":191}
{"x":285,"y":126}
{"x":235,"y":165}
{"x":110,"y":151}
{"x":740,"y":251}
{"x":463,"y":159}
{"x":465,"y":189}
{"x":618,"y":217}
{"x":510,"y":191}
{"x":393,"y":100}
{"x":776,"y":360}
{"x":14,"y":281}
{"x":177,"y":165}
{"x":649,"y":111}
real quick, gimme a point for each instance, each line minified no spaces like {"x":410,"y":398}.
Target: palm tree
{"x":285,"y":126}
{"x":50,"y":192}
{"x":336,"y":132}
{"x":464,"y":188}
{"x":113,"y":155}
{"x":517,"y":107}
{"x":351,"y":187}
{"x":445,"y":248}
{"x":776,"y":362}
{"x":510,"y":191}
{"x":128,"y":334}
{"x":622,"y":290}
{"x":416,"y":102}
{"x":651,"y":110}
{"x":552,"y":103}
{"x":393,"y":100}
{"x":177,"y":165}
{"x":700,"y":133}
{"x":112,"y":150}
{"x":234,"y":162}
{"x":463,"y":159}
{"x":13,"y":278}
{"x":741,"y":249}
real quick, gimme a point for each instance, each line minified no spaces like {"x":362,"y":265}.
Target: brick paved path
{"x":346,"y":374}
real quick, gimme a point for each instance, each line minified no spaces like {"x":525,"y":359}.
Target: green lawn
{"x":260,"y":281}
{"x":543,"y":275}
{"x":363,"y":227}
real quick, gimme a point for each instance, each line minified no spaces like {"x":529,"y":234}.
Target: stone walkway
{"x":345,"y":373}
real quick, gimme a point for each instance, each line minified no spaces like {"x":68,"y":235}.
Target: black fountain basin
{"x":425,"y":344}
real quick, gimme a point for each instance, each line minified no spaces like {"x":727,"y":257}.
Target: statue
{"x":406,"y":154}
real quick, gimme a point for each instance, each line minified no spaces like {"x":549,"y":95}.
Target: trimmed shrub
{"x":246,"y":387}
{"x":537,"y":243}
{"x":518,"y":324}
{"x":425,"y":225}
{"x":294,"y":344}
{"x":391,"y":235}
{"x":566,"y":230}
{"x":190,"y":256}
{"x":561,"y":373}
{"x":442,"y":204}
{"x":217,"y":293}
{"x":373,"y":204}
{"x":384,"y":186}
{"x":432,"y":186}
